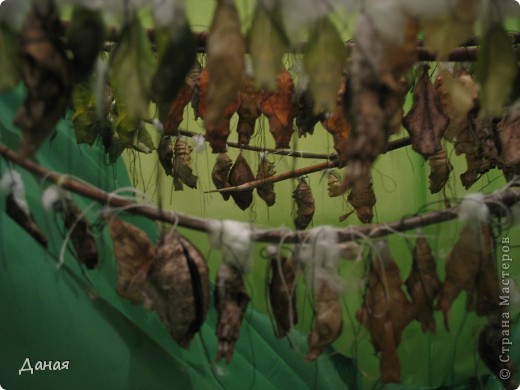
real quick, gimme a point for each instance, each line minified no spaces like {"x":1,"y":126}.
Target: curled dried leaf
{"x":282,"y":293}
{"x":231,"y":300}
{"x":134,"y":254}
{"x":440,"y":169}
{"x":426,"y":120}
{"x":180,"y":278}
{"x":305,"y":205}
{"x":220,"y":173}
{"x":328,"y":321}
{"x":46,"y":74}
{"x":363,"y":199}
{"x":266,"y":191}
{"x":423,"y":284}
{"x":278,"y":107}
{"x":81,"y":235}
{"x":248,"y":111}
{"x":182,"y":171}
{"x":241,"y":173}
{"x":386,"y":311}
{"x":226,"y":52}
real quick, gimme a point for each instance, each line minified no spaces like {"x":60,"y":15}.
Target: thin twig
{"x":495,"y":202}
{"x":392,"y":145}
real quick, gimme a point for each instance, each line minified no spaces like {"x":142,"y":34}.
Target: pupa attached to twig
{"x":220,"y":173}
{"x":363,"y":199}
{"x":180,"y":277}
{"x":282,"y":291}
{"x":231,"y":300}
{"x":248,"y":111}
{"x":440,"y":169}
{"x":333,"y":184}
{"x":386,"y":311}
{"x":266,"y":192}
{"x":278,"y":107}
{"x":134,"y":254}
{"x":306,"y":119}
{"x":241,"y":173}
{"x":423,"y":284}
{"x":182,"y":171}
{"x":305,"y":206}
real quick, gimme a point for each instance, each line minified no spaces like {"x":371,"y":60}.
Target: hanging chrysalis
{"x":423,"y":284}
{"x":180,"y":277}
{"x":220,"y":173}
{"x":175,"y":115}
{"x":231,"y":300}
{"x":165,"y":150}
{"x":134,"y":254}
{"x":305,"y":118}
{"x":282,"y":291}
{"x":16,"y":205}
{"x":241,"y":173}
{"x":182,"y":172}
{"x":509,"y":130}
{"x":278,"y":107}
{"x":491,"y":351}
{"x":363,"y":199}
{"x":46,"y":75}
{"x":426,"y":120}
{"x":324,"y":58}
{"x":225,"y":53}
{"x":386,"y":311}
{"x":248,"y":111}
{"x":216,"y":133}
{"x":334,"y":184}
{"x":80,"y":233}
{"x":305,"y":205}
{"x":440,"y":169}
{"x":266,"y":191}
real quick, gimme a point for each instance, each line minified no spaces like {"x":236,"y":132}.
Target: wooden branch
{"x":495,"y":203}
{"x":392,"y":145}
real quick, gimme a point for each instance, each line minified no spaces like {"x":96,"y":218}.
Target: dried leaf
{"x":226,"y":51}
{"x":134,"y":254}
{"x":282,"y":293}
{"x":182,"y":165}
{"x":334,"y":184}
{"x":267,"y":45}
{"x":180,"y":277}
{"x":176,"y":112}
{"x":496,"y":71}
{"x":440,"y":169}
{"x":305,"y":205}
{"x":425,"y":121}
{"x":386,"y":311}
{"x":509,"y":130}
{"x":324,"y":59}
{"x":220,"y":173}
{"x":241,"y":173}
{"x":457,"y":96}
{"x":231,"y":300}
{"x":266,"y":191}
{"x":248,"y":111}
{"x":9,"y":59}
{"x":328,"y":321}
{"x":336,"y":123}
{"x":25,"y":221}
{"x":176,"y":59}
{"x":80,"y":234}
{"x":85,"y":38}
{"x":423,"y":284}
{"x":490,"y":349}
{"x":363,"y":199}
{"x":305,"y":118}
{"x":132,"y":65}
{"x":445,"y":33}
{"x":278,"y":108}
{"x":46,"y":74}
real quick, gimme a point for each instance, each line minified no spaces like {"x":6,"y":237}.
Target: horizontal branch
{"x":495,"y":203}
{"x":392,"y":145}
